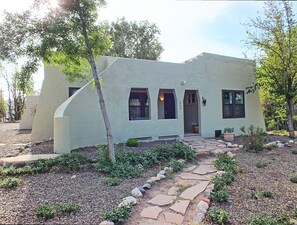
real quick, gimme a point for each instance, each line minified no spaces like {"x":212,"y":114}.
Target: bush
{"x":253,"y":138}
{"x":294,"y":151}
{"x":294,"y":179}
{"x":176,"y":165}
{"x":10,"y":182}
{"x":219,"y":216}
{"x":264,"y":219}
{"x":66,"y":208}
{"x":45,"y":211}
{"x":132,"y":142}
{"x":220,"y":195}
{"x":113,"y":181}
{"x":267,"y":194}
{"x":118,"y":215}
{"x":294,"y":212}
{"x":225,"y":163}
{"x":133,"y":164}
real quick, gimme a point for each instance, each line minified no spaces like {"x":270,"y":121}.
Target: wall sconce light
{"x":183,"y":82}
{"x":161,"y":98}
{"x":203,"y":101}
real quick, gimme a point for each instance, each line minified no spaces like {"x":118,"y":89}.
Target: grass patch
{"x":132,"y":142}
{"x":118,"y":215}
{"x":267,"y":194}
{"x":294,"y":179}
{"x":48,"y":212}
{"x":10,"y":182}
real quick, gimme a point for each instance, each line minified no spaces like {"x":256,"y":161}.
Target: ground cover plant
{"x":50,"y":211}
{"x":10,"y":182}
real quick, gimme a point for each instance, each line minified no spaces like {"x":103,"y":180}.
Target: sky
{"x":188,"y":27}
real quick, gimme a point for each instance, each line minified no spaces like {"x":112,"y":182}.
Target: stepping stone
{"x":172,"y":190}
{"x":151,"y":212}
{"x":180,"y":206}
{"x":194,"y":191}
{"x":162,"y":200}
{"x":186,"y":182}
{"x":152,"y":222}
{"x":190,"y":168}
{"x":173,"y":218}
{"x":191,"y":176}
{"x":205,"y":169}
{"x":208,"y":161}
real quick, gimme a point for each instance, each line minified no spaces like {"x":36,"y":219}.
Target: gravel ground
{"x":282,"y":164}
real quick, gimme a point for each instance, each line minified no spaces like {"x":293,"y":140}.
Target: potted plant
{"x":229,"y":134}
{"x":195,"y":128}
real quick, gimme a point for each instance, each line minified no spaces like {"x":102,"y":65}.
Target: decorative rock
{"x":150,"y":181}
{"x":207,"y":200}
{"x":162,"y":200}
{"x":141,"y":189}
{"x":218,"y":151}
{"x":160,"y":176}
{"x":147,"y":186}
{"x":231,"y":155}
{"x":128,"y":201}
{"x":195,"y":190}
{"x":271,"y":143}
{"x":136,"y":193}
{"x":199,"y":217}
{"x":222,"y":146}
{"x":280,"y":145}
{"x":168,"y":169}
{"x":73,"y":177}
{"x":291,"y":142}
{"x":211,"y":187}
{"x":202,"y":206}
{"x":240,"y":146}
{"x":207,"y":193}
{"x":106,"y":223}
{"x":173,"y":218}
{"x":154,"y":179}
{"x":151,"y":212}
{"x":181,"y":161}
{"x":162,"y":172}
{"x":180,"y":206}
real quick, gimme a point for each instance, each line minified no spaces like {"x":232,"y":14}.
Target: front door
{"x":190,"y":110}
{"x":169,"y":106}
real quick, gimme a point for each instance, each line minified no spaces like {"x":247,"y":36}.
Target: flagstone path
{"x":178,"y":200}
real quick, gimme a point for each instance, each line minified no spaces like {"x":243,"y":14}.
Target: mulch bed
{"x":282,"y":164}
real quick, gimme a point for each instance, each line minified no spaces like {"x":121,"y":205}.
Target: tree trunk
{"x":290,"y":106}
{"x":99,"y":91}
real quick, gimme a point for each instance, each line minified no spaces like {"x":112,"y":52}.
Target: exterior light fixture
{"x":203,"y":101}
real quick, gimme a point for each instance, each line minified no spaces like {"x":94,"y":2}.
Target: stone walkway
{"x":184,"y":199}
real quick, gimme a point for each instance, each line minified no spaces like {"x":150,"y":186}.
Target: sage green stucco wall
{"x":208,"y":73}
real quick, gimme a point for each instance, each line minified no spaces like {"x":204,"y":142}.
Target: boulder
{"x":136,"y":193}
{"x":147,"y":186}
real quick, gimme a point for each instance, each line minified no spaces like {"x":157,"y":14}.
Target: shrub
{"x":45,"y":211}
{"x":113,"y":181}
{"x":267,"y":194}
{"x":118,"y":215}
{"x":176,"y":165}
{"x":218,"y":183}
{"x":221,"y":195}
{"x":66,"y":208}
{"x":294,"y":179}
{"x":264,"y":219}
{"x":294,"y":151}
{"x":225,"y":163}
{"x":254,"y":138}
{"x":294,"y":212}
{"x":10,"y":182}
{"x":132,"y":142}
{"x":219,"y":216}
{"x":261,"y":164}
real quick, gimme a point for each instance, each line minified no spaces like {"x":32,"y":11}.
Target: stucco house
{"x":149,"y":100}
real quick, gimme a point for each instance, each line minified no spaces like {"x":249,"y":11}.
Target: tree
{"x":67,"y":36}
{"x":137,"y":40}
{"x":3,"y":106}
{"x":274,"y":36}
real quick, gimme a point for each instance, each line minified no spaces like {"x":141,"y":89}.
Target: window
{"x":233,"y":104}
{"x":72,"y":90}
{"x":166,"y":104}
{"x":139,"y":104}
